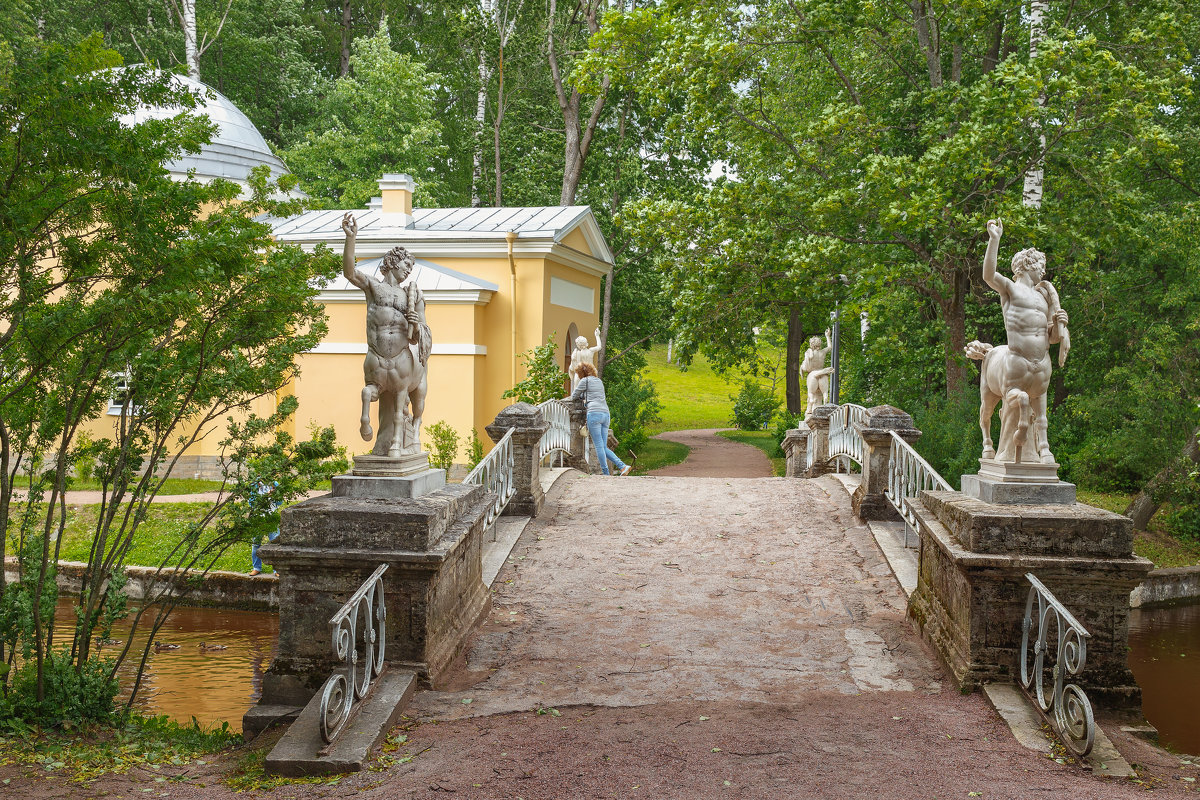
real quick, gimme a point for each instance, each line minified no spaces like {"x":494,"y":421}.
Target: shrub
{"x":544,"y":379}
{"x":632,"y":401}
{"x":753,"y":407}
{"x":77,"y":694}
{"x":784,"y":422}
{"x":442,"y":445}
{"x":474,"y":449}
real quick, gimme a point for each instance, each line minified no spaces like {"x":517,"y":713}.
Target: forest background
{"x":753,"y":164}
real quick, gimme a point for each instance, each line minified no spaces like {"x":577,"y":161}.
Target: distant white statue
{"x":398,"y":346}
{"x":818,"y":373}
{"x":582,"y":354}
{"x":1019,"y":372}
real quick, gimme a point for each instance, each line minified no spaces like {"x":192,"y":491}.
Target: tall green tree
{"x":118,"y":282}
{"x":379,"y":118}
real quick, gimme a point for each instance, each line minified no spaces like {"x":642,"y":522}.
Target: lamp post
{"x":834,"y":379}
{"x":835,"y":318}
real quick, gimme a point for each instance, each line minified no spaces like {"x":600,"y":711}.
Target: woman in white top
{"x":591,"y":389}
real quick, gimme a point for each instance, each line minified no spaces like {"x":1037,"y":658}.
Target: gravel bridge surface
{"x":671,"y":637}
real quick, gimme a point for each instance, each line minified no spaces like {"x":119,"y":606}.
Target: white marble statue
{"x":398,"y":346}
{"x":818,"y":373}
{"x":582,"y":354}
{"x":1019,"y":372}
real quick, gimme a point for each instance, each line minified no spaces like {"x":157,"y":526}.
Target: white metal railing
{"x":495,"y":474}
{"x":557,"y":438}
{"x":353,"y":648}
{"x":908,"y":476}
{"x":845,"y":442}
{"x":1068,"y":710}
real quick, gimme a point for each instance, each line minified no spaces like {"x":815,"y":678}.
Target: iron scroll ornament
{"x":350,"y":683}
{"x":1068,"y":710}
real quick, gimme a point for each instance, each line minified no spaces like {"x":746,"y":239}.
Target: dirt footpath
{"x":713,"y":456}
{"x":693,"y":638}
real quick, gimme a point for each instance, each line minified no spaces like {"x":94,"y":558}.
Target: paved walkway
{"x":713,"y":456}
{"x":693,"y":638}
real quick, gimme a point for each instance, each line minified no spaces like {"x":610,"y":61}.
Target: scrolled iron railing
{"x":352,"y":682}
{"x":557,"y":438}
{"x":845,"y":442}
{"x":908,"y":476}
{"x":495,"y":474}
{"x":1068,"y":710}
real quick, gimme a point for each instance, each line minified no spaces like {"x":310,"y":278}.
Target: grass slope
{"x":693,"y":398}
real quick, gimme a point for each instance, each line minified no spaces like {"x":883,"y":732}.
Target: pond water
{"x":214,"y":685}
{"x":1164,"y":654}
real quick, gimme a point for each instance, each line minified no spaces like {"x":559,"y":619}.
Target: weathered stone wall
{"x":217,"y":589}
{"x":1167,"y":586}
{"x":969,"y":603}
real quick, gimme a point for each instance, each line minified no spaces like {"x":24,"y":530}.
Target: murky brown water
{"x":1164,"y":655}
{"x":213,"y":686}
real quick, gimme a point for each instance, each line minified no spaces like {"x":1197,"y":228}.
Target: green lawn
{"x":162,"y":529}
{"x":693,"y":398}
{"x":763,"y":440}
{"x":657,"y":453}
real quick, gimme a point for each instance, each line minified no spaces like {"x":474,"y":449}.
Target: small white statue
{"x":582,"y":354}
{"x":398,"y":346}
{"x":1019,"y":372}
{"x":818,"y":373}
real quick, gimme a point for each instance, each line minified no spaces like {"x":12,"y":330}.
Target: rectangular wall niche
{"x":572,"y":295}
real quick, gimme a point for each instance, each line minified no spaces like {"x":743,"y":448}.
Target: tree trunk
{"x":1034,"y":177}
{"x":1143,"y":505}
{"x":191,"y":52}
{"x":496,"y":125}
{"x":954,"y":311}
{"x":344,"y":67}
{"x":795,"y":346}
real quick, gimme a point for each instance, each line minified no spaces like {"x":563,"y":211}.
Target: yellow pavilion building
{"x":497,"y":282}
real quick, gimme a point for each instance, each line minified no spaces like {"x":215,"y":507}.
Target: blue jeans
{"x":597,"y":425}
{"x":255,"y":561}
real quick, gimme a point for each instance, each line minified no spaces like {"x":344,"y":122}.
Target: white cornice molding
{"x":463,"y":247}
{"x":360,"y":349}
{"x":473,"y":297}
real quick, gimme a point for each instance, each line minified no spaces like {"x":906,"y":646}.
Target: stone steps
{"x":302,"y":753}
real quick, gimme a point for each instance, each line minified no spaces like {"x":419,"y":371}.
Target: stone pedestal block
{"x":1004,"y":482}
{"x":583,"y":455}
{"x":868,"y":500}
{"x":971,"y":589}
{"x":434,"y":587}
{"x":528,"y":426}
{"x":818,"y":441}
{"x":795,"y":448}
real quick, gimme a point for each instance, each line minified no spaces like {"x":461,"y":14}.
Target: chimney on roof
{"x":397,"y":191}
{"x":375,"y":203}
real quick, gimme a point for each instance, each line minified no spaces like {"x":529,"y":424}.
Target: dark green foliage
{"x":784,"y":421}
{"x":753,"y":406}
{"x":78,"y":694}
{"x":632,"y":401}
{"x":544,"y":379}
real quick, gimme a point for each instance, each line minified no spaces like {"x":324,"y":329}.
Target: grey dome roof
{"x":236,"y":147}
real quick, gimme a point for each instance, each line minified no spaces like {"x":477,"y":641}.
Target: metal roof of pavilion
{"x":436,"y":222}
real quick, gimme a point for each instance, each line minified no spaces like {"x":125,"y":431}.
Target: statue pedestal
{"x":387,"y":467}
{"x":1005,"y":482}
{"x":329,"y":545}
{"x":971,"y":589}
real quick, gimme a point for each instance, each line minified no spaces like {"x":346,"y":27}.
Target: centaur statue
{"x":1019,"y":373}
{"x":398,"y":347}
